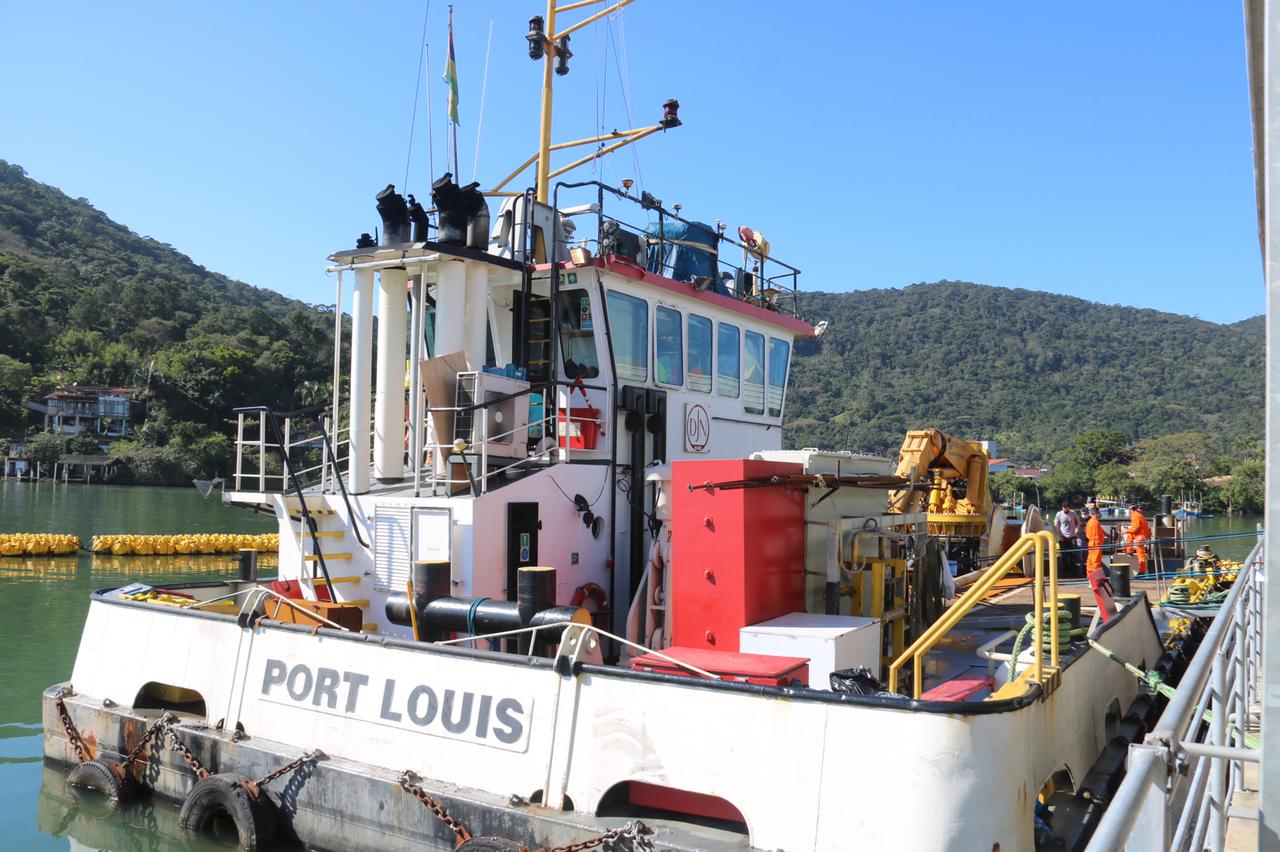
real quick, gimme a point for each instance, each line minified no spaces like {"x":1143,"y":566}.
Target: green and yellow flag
{"x":451,"y":76}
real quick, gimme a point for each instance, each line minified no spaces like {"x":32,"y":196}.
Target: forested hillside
{"x":1029,"y":369}
{"x":84,"y":299}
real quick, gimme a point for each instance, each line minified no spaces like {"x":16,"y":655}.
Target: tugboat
{"x":551,"y":579}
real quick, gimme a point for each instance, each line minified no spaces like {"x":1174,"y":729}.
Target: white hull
{"x":806,"y":769}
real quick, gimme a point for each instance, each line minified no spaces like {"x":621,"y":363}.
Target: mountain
{"x":85,"y":300}
{"x":1026,"y":368}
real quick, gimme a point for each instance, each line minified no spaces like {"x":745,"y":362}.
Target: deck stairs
{"x":334,"y":540}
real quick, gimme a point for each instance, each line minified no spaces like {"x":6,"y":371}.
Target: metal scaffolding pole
{"x":1263,"y":48}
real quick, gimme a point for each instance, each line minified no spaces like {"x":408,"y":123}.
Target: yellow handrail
{"x":1037,"y":541}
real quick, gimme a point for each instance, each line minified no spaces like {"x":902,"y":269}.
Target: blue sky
{"x":1097,"y":149}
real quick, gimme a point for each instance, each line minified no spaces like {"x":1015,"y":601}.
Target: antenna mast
{"x":553,"y":49}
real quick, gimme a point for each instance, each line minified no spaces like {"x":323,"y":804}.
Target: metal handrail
{"x":342,"y":486}
{"x":1221,"y":677}
{"x":308,"y":521}
{"x":654,"y":205}
{"x":1036,"y":541}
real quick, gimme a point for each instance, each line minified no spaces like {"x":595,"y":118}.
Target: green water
{"x":42,"y":608}
{"x":43,"y":600}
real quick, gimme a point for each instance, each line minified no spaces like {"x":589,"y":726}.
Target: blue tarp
{"x":679,"y":259}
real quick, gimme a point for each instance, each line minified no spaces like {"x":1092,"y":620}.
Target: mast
{"x":544,"y":132}
{"x":547,"y":44}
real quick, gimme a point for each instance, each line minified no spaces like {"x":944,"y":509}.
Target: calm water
{"x":42,"y":608}
{"x":43,"y":600}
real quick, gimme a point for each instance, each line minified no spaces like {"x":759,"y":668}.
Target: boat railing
{"x":1043,"y":543}
{"x":1185,"y":767}
{"x":304,"y":436}
{"x":540,"y":441}
{"x":270,"y":427}
{"x":760,"y":279}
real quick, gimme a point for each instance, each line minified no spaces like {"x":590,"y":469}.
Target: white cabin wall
{"x":389,"y":418}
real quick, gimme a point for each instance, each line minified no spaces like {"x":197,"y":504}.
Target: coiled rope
{"x":1065,"y":636}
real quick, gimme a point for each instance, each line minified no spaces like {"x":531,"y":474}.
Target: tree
{"x":1246,"y":492}
{"x":1113,"y":478}
{"x":1175,"y":464}
{"x":14,"y":378}
{"x":44,"y":449}
{"x":1095,"y":447}
{"x":1071,"y":480}
{"x":1008,"y":487}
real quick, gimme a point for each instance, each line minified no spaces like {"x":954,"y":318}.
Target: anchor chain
{"x":176,"y":743}
{"x":407,"y":783}
{"x":73,"y":736}
{"x":155,"y":729}
{"x":633,"y":831}
{"x":255,"y":787}
{"x":315,"y":754}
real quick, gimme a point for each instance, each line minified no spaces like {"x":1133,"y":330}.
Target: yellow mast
{"x":544,"y":134}
{"x":551,"y":46}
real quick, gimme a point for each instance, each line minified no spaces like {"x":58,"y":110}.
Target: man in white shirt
{"x":1067,"y":524}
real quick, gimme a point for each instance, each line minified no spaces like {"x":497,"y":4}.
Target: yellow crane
{"x":957,"y":499}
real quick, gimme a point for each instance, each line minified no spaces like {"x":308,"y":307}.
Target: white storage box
{"x":831,"y":642}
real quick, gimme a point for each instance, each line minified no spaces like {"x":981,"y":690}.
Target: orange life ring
{"x":594,"y":593}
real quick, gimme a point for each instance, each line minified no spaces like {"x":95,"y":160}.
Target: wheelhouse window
{"x":577,"y":335}
{"x":668,"y":346}
{"x":778,"y":352}
{"x":728,"y":360}
{"x":629,"y":327}
{"x":699,"y":353}
{"x":753,"y":373}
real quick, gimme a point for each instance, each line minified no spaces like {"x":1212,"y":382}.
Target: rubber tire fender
{"x":106,"y":777}
{"x":225,"y":794}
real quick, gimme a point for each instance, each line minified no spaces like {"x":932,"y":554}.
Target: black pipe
{"x":395,"y":216}
{"x":431,"y":581}
{"x":535,"y":590}
{"x":248,"y":565}
{"x":1119,"y":575}
{"x":418,"y":216}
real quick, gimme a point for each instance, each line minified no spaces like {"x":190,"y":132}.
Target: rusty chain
{"x":460,"y":831}
{"x":155,"y":728}
{"x":187,"y":757}
{"x":255,"y":787}
{"x":73,"y":736}
{"x":634,"y":831}
{"x":316,"y":754}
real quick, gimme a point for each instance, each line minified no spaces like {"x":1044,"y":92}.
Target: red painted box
{"x":728,"y":665}
{"x":737,"y":555}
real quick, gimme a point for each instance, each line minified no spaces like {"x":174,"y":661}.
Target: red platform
{"x":737,"y":555}
{"x":728,"y":665}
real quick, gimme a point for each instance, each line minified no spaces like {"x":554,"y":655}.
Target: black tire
{"x":108,"y":778}
{"x":219,"y":807}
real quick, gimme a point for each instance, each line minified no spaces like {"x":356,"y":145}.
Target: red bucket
{"x":579,"y":428}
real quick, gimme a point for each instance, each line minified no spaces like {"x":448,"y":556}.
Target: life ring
{"x":106,"y":777}
{"x":594,"y":593}
{"x":220,"y":804}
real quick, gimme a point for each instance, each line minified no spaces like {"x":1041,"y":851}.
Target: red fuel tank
{"x":737,"y":554}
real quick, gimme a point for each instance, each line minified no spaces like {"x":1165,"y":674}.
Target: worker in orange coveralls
{"x":1096,"y":537}
{"x":1136,"y":536}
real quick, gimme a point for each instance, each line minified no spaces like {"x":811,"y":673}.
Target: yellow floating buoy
{"x":38,"y":544}
{"x":163,"y":545}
